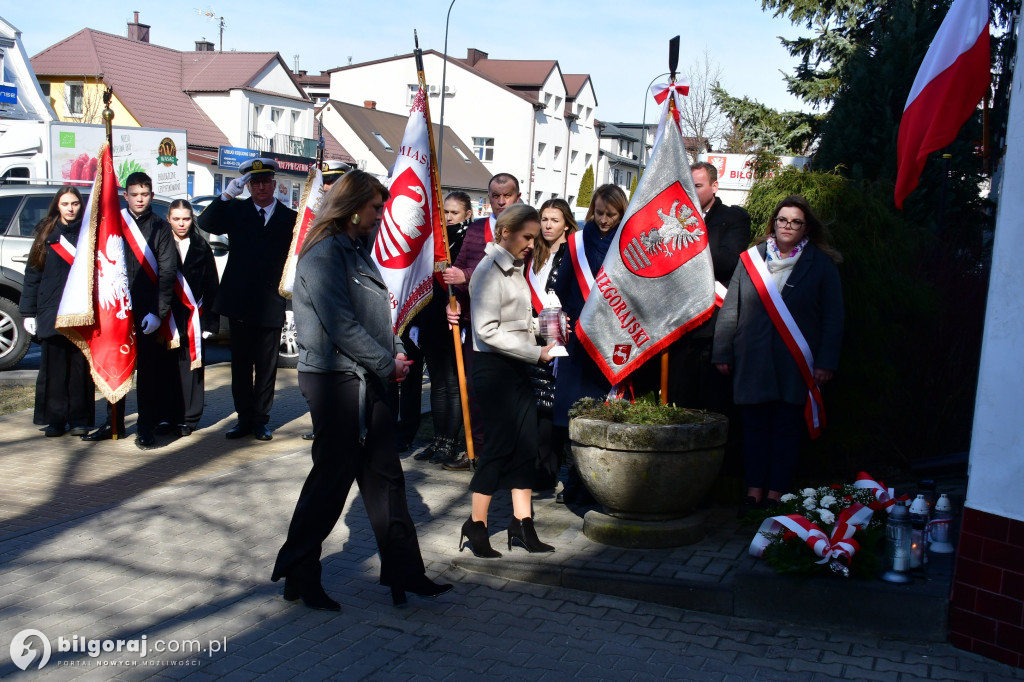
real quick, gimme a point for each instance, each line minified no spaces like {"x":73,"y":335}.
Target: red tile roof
{"x":153,"y":82}
{"x":517,"y":73}
{"x":574,"y":82}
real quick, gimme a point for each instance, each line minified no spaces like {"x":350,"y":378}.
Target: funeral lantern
{"x":940,"y":526}
{"x":897,"y":545}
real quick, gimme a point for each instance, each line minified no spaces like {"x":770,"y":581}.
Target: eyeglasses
{"x":796,"y":224}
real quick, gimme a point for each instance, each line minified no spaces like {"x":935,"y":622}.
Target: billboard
{"x":734,"y":169}
{"x":161,"y":154}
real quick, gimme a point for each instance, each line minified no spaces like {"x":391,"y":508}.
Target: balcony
{"x":283,"y":144}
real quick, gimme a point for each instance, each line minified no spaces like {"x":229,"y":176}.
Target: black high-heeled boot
{"x":312,"y":595}
{"x":444,"y":451}
{"x":479,"y":542}
{"x":421,"y":586}
{"x":523,"y":530}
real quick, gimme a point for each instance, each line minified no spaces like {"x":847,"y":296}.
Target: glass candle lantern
{"x":897,"y":545}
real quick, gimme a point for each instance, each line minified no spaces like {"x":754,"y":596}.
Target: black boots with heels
{"x":479,"y":542}
{"x":421,"y":586}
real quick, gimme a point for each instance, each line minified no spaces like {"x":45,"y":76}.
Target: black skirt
{"x":509,"y":409}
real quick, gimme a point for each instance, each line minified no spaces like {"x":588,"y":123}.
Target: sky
{"x":622,"y":45}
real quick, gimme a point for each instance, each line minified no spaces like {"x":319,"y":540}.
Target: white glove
{"x":30,"y":325}
{"x":207,"y":335}
{"x":235,"y":187}
{"x":150,"y":323}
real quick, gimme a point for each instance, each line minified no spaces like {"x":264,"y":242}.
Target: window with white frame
{"x":572,"y":156}
{"x":411,"y":94}
{"x":483,"y":147}
{"x":586,"y":160}
{"x":462,"y":154}
{"x":380,"y":138}
{"x":74,"y":98}
{"x":536,"y":197}
{"x":257,"y":112}
{"x":558,"y":107}
{"x":294,"y":128}
{"x":541,"y":146}
{"x":547,"y":99}
{"x":572,"y":200}
{"x":275,"y":114}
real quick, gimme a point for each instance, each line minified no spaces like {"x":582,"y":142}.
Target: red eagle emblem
{"x":663,"y":235}
{"x":405,"y":225}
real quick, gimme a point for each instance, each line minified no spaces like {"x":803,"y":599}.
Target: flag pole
{"x":435,"y":176}
{"x":108,"y":118}
{"x":673,"y":63}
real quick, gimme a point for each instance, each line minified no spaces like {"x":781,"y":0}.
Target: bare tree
{"x":700,"y":116}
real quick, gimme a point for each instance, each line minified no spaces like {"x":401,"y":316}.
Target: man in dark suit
{"x":693,"y":380}
{"x":259,"y":230}
{"x":152,"y":289}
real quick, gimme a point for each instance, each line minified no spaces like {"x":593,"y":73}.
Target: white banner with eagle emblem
{"x":404,"y":247}
{"x":657,"y":282}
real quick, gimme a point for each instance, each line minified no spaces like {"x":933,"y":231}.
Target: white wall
{"x":583,"y":140}
{"x":551,"y":132}
{"x":275,"y":78}
{"x":996,"y":465}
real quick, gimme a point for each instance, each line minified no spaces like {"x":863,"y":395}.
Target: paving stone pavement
{"x":185,"y":554}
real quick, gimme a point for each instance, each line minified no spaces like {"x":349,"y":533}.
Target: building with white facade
{"x":523,"y":117}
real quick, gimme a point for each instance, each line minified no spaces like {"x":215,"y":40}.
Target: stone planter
{"x":648,"y":478}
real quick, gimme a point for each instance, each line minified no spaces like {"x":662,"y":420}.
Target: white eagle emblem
{"x":112,"y":283}
{"x":672,"y":234}
{"x":406,"y":213}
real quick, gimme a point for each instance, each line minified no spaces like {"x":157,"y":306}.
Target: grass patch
{"x":646,"y":410}
{"x":16,"y":398}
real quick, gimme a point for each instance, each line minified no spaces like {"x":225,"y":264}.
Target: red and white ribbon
{"x":65,"y":249}
{"x":168,"y":331}
{"x":194,"y":326}
{"x":884,"y":497}
{"x":664,"y":94}
{"x":720,"y":292}
{"x":814,"y":410}
{"x":580,"y":264}
{"x":489,"y":229}
{"x":839,"y":544}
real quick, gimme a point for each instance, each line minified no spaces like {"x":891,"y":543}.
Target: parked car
{"x":21,"y":209}
{"x":288,"y":352}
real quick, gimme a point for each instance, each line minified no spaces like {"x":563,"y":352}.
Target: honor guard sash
{"x":580,"y":264}
{"x":147,"y":260}
{"x":785,"y":325}
{"x":65,"y":249}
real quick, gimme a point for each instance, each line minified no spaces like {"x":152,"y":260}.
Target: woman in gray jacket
{"x":504,"y":344}
{"x":348,"y":353}
{"x":798,"y":267}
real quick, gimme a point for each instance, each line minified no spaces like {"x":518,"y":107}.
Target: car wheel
{"x":288,"y":353}
{"x":14,"y":340}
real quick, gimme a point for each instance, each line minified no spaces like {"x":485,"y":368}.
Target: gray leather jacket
{"x":343,"y":313}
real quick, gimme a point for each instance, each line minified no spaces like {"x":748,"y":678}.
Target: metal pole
{"x":643,"y":125}
{"x":444,"y":76}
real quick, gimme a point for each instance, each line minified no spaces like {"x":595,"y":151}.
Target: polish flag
{"x":95,"y":310}
{"x":954,"y":76}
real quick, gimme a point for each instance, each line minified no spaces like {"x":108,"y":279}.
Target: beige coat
{"x":502,"y":312}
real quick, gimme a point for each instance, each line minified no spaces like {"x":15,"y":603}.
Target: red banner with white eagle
{"x":404,"y":247}
{"x":312,"y":196}
{"x":95,"y":310}
{"x":657,"y":282}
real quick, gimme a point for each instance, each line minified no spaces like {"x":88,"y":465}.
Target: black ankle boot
{"x":312,"y":595}
{"x":479,"y":542}
{"x":444,"y":452}
{"x":421,"y":586}
{"x":523,"y":530}
{"x":428,"y":451}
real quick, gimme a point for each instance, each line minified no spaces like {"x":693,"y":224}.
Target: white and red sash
{"x":580,"y":264}
{"x":537,"y":287}
{"x":147,"y":259}
{"x":64,"y":249}
{"x":194,"y":326}
{"x":814,"y":411}
{"x":839,"y":544}
{"x":489,"y":229}
{"x":720,"y":292}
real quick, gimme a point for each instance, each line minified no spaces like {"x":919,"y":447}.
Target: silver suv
{"x":22,"y":207}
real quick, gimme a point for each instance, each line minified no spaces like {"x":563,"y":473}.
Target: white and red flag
{"x":312,"y":196}
{"x":952,"y":80}
{"x":404,"y":248}
{"x":657,"y":281}
{"x":95,"y":311}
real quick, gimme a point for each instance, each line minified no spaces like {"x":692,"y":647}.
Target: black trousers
{"x":772,"y":435}
{"x":338,"y":460}
{"x":254,"y":351}
{"x":410,"y":396}
{"x":151,"y":370}
{"x":68,"y":394}
{"x":185,"y":390}
{"x":445,"y":399}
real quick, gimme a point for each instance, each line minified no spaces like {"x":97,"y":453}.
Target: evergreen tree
{"x":586,"y":188}
{"x":762,"y":128}
{"x":632,"y":185}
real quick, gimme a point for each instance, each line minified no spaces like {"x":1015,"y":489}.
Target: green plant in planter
{"x":645,"y":410}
